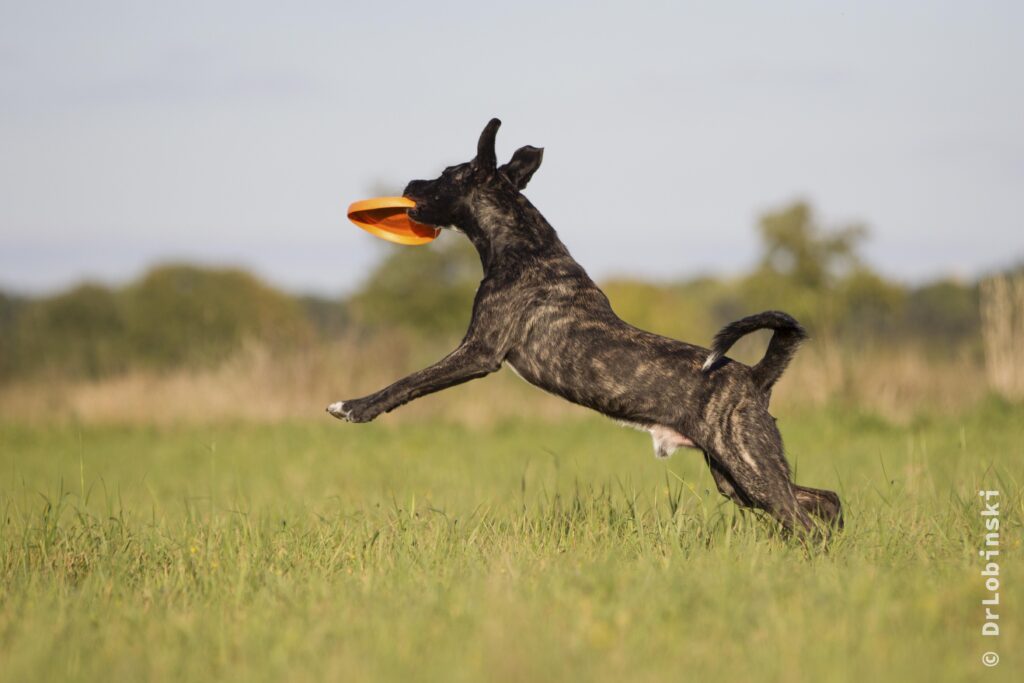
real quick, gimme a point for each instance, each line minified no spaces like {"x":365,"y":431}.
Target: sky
{"x":133,"y":133}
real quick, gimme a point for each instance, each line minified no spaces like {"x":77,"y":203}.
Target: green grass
{"x":529,"y":552}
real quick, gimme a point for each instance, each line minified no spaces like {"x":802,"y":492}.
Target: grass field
{"x":519,"y":552}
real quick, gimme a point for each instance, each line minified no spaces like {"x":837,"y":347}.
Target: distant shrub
{"x":79,"y":332}
{"x":330,"y":318}
{"x":946,"y":311}
{"x":179,"y":314}
{"x":11,"y":308}
{"x":174,"y":316}
{"x":869,"y":306}
{"x":684,"y":311}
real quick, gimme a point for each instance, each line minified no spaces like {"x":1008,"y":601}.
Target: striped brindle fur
{"x":538,"y":312}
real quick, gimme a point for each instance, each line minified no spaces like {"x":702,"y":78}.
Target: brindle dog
{"x":539,"y":312}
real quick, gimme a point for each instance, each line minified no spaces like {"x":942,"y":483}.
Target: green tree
{"x":428,"y":290}
{"x":796,"y":246}
{"x":803,"y":265}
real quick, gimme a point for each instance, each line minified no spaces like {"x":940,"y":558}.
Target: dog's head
{"x":462,"y":194}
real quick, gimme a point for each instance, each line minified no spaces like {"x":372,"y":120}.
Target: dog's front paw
{"x":339,"y":411}
{"x":350,"y":411}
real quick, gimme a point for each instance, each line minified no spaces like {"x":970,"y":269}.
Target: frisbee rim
{"x":398,"y":203}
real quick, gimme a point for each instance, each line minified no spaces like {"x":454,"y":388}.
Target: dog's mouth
{"x":415,"y":214}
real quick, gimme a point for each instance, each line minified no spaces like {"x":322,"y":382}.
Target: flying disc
{"x":388,"y":219}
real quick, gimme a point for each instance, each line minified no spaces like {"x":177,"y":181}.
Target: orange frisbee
{"x":388,"y":219}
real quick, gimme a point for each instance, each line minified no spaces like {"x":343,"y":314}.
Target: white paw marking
{"x":339,"y":411}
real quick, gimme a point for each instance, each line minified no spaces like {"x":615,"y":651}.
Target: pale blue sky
{"x":134,"y":132}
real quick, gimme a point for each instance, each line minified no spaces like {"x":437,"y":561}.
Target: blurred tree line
{"x":174,"y":316}
{"x":183,"y":316}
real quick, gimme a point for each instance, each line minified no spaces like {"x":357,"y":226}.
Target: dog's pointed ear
{"x":486,"y":157}
{"x":523,"y":164}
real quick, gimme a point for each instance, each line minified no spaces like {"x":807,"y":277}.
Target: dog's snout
{"x":414,"y":190}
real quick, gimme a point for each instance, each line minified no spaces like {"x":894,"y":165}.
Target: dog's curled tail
{"x":788,"y":336}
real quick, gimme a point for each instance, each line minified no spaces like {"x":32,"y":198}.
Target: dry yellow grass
{"x":1002,"y":329}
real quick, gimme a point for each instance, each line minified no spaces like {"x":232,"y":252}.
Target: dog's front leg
{"x":469,"y":361}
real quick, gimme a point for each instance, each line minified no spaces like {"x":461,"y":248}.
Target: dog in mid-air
{"x":538,"y":312}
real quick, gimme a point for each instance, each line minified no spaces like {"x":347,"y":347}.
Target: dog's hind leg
{"x":726,"y":486}
{"x":749,"y":467}
{"x":773,"y":493}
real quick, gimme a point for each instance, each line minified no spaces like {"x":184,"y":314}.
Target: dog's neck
{"x":506,"y":232}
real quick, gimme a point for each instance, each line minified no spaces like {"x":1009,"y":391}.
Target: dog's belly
{"x":666,"y":439}
{"x":619,"y":376}
{"x":570,"y":388}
